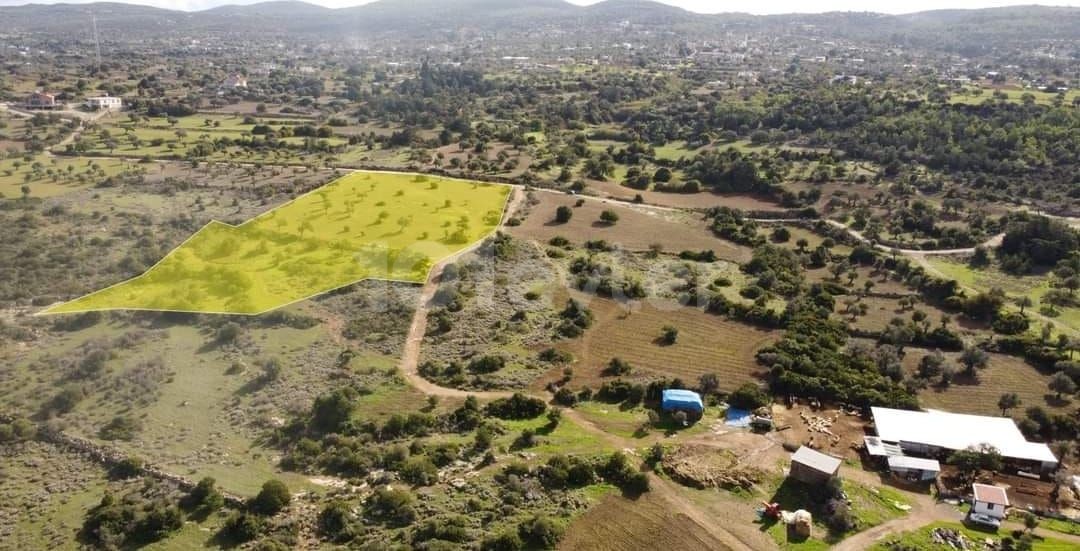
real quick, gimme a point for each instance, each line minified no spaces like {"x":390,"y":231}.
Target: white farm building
{"x":938,"y":433}
{"x":104,"y":102}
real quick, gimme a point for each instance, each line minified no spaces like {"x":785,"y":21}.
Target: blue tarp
{"x":685,"y":400}
{"x":735,"y":417}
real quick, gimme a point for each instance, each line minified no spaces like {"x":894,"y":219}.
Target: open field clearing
{"x":700,"y":200}
{"x":1003,"y":374}
{"x":977,"y":96}
{"x":676,"y":150}
{"x":196,"y":409}
{"x":637,"y":228}
{"x":1031,"y":286}
{"x":706,"y":343}
{"x":309,"y":246}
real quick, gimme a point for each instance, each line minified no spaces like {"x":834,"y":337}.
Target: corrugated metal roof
{"x":875,"y":447}
{"x":816,"y":460}
{"x":957,"y":431}
{"x":905,"y":462}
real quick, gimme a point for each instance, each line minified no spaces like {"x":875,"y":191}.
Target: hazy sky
{"x":703,"y":6}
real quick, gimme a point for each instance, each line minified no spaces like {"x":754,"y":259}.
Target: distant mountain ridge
{"x":944,"y":28}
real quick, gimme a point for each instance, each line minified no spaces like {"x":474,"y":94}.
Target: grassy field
{"x":627,"y":422}
{"x":47,"y":176}
{"x":969,"y":97}
{"x":48,"y":493}
{"x":159,"y":138}
{"x":44,"y":495}
{"x":1058,"y":525}
{"x":919,"y":540}
{"x":706,"y":344}
{"x":314,"y":244}
{"x":673,"y":151}
{"x":195,"y":414}
{"x":1032,"y":286}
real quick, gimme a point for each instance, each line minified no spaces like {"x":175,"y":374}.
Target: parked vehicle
{"x":984,"y":520}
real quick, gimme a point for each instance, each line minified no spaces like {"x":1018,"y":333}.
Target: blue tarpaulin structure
{"x":738,"y":417}
{"x":681,"y":400}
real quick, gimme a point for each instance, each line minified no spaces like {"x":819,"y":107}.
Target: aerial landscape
{"x":516,"y":275}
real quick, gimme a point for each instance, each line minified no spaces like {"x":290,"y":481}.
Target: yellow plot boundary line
{"x":471,"y":246}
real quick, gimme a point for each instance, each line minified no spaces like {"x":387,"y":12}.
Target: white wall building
{"x":933,"y":432}
{"x":989,"y":500}
{"x":104,"y":102}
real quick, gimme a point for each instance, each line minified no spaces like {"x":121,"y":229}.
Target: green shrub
{"x":419,"y":470}
{"x":273,"y":497}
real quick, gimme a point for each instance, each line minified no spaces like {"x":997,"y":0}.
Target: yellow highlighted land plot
{"x":367,"y":225}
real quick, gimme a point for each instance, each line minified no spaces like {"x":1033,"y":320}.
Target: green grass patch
{"x":627,"y":422}
{"x":673,"y":151}
{"x":1059,"y":525}
{"x":969,"y":96}
{"x":919,"y":540}
{"x":46,"y":176}
{"x":1031,"y":286}
{"x":870,"y":506}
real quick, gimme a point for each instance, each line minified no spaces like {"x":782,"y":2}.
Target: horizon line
{"x":575,"y":3}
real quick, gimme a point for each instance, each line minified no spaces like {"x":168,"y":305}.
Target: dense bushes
{"x":748,"y":396}
{"x":517,"y":406}
{"x":576,"y":318}
{"x":1031,"y":240}
{"x":131,"y":521}
{"x":808,"y":362}
{"x":392,"y":505}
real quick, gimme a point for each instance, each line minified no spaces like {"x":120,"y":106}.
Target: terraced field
{"x":1004,"y":374}
{"x":619,"y":523}
{"x":706,"y":344}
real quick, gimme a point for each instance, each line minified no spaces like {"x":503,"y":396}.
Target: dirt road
{"x":922,"y":513}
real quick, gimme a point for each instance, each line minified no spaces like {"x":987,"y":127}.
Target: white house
{"x":989,"y":500}
{"x":104,"y":102}
{"x":235,"y":81}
